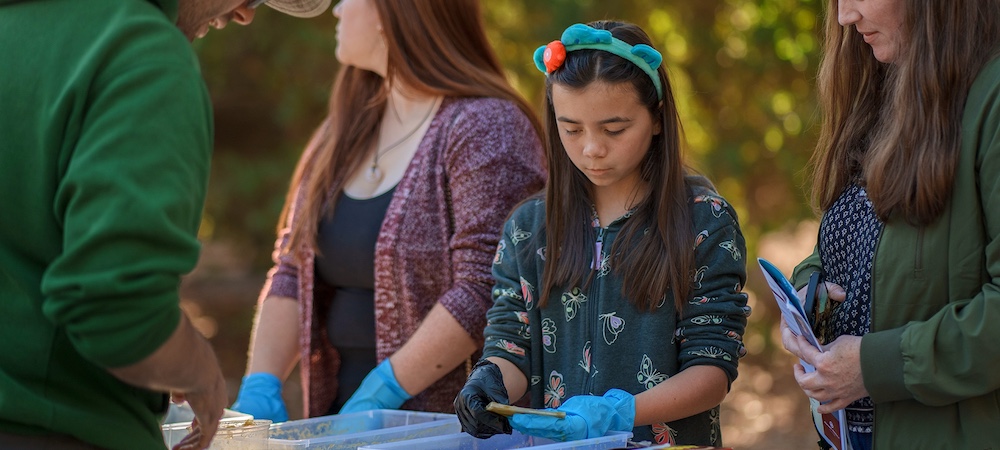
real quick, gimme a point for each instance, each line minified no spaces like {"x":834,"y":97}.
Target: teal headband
{"x":578,"y":36}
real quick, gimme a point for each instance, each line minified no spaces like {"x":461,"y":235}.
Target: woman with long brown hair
{"x":618,"y":297}
{"x":382,"y":276}
{"x":906,"y":175}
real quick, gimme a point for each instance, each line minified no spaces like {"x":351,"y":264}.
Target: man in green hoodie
{"x":105,"y":142}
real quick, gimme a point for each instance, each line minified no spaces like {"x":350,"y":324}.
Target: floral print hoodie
{"x":587,"y":340}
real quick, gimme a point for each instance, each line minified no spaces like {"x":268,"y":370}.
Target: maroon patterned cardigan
{"x":478,"y":159}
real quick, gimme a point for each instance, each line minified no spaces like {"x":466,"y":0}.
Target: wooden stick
{"x":508,"y":410}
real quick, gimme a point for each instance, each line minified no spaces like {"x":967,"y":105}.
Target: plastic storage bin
{"x":178,"y":420}
{"x":463,"y":441}
{"x":350,"y":431}
{"x":182,"y":413}
{"x":233,"y":434}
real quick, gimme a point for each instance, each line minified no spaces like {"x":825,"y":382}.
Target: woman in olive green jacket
{"x":908,"y":177}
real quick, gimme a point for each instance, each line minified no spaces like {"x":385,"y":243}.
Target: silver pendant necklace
{"x":375,"y":174}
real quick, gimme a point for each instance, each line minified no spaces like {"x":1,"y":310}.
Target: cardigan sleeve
{"x":493,"y":160}
{"x":283,"y":278}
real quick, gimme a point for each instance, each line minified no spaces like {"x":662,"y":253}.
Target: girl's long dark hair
{"x":896,"y":127}
{"x":654,"y":251}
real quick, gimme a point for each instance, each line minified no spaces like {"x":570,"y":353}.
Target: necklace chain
{"x":375,"y":174}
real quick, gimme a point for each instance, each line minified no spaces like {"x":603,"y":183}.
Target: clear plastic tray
{"x":350,"y":431}
{"x":463,"y":441}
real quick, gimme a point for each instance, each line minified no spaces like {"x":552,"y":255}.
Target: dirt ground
{"x":764,"y":410}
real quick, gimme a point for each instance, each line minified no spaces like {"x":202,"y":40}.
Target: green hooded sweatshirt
{"x":105,"y":144}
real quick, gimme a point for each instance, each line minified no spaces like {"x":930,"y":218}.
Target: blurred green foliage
{"x":742,"y":71}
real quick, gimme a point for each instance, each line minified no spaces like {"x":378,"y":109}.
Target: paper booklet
{"x":832,"y":426}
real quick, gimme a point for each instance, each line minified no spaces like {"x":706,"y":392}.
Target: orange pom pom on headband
{"x":578,"y":36}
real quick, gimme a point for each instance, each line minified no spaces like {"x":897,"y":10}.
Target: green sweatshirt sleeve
{"x":129,"y":200}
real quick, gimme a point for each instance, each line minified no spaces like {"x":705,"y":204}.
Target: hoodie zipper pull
{"x":597,"y":250}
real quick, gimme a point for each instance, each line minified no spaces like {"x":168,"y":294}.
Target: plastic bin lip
{"x":182,"y":413}
{"x":374,"y":413}
{"x":300,"y":433}
{"x":616,"y":439}
{"x":358,"y":435}
{"x":248,"y":426}
{"x":238,"y":429}
{"x":612,"y":436}
{"x":433,"y":416}
{"x":226,"y":423}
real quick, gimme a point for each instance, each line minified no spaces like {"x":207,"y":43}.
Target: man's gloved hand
{"x":587,"y":416}
{"x":485,"y":385}
{"x":379,"y":390}
{"x":260,"y":396}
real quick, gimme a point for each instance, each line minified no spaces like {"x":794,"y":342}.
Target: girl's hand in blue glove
{"x":379,"y":390}
{"x":260,"y":396}
{"x":587,"y":416}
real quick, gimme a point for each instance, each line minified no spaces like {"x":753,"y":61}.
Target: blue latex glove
{"x":587,"y":416}
{"x":260,"y":396}
{"x":379,"y":390}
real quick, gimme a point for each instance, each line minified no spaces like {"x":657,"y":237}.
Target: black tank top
{"x":346,"y":265}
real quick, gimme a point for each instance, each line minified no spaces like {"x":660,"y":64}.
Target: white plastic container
{"x":463,"y":441}
{"x":233,"y":434}
{"x":182,"y":413}
{"x":351,"y":431}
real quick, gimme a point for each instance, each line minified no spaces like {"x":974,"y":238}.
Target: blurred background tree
{"x":743,"y":74}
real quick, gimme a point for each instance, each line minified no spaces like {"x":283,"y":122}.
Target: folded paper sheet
{"x":833,"y":426}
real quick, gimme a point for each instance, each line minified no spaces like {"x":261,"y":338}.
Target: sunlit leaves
{"x":742,"y":72}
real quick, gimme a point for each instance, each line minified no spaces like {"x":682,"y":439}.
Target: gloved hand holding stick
{"x":508,"y":410}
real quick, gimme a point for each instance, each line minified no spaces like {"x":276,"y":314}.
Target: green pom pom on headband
{"x":578,"y":36}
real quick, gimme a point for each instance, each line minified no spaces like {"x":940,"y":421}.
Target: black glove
{"x":485,"y":385}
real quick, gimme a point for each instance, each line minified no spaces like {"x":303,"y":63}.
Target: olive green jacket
{"x":932,"y":359}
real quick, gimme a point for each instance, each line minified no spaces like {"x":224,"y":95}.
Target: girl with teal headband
{"x":618,"y":290}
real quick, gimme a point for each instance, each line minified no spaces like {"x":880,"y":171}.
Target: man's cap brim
{"x":300,"y":8}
